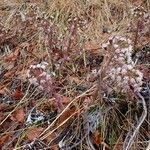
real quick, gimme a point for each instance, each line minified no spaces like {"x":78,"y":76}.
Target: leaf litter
{"x":66,"y":81}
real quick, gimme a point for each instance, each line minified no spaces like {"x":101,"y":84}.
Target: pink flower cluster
{"x":122,"y":69}
{"x":39,"y":77}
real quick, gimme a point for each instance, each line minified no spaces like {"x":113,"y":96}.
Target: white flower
{"x":40,"y":87}
{"x":123,"y":71}
{"x":48,"y":77}
{"x":111,"y":38}
{"x":130,"y":67}
{"x":122,"y":39}
{"x":43,"y":67}
{"x":42,"y":81}
{"x":112,"y":76}
{"x":125,"y":82}
{"x":126,"y":78}
{"x":118,"y":79}
{"x":121,"y":59}
{"x":123,"y":50}
{"x":117,"y":51}
{"x":117,"y":38}
{"x":53,"y":73}
{"x":118,"y":70}
{"x":139,"y":79}
{"x":33,"y":81}
{"x":44,"y":63}
{"x":125,"y":66}
{"x":28,"y":73}
{"x":57,"y":66}
{"x":23,"y":17}
{"x":38,"y":66}
{"x":130,"y":48}
{"x":116,"y":45}
{"x":132,"y":80}
{"x":94,"y":71}
{"x":129,"y":41}
{"x":129,"y":60}
{"x":128,"y":54}
{"x":121,"y":54}
{"x":43,"y":74}
{"x":139,"y":73}
{"x":137,"y":87}
{"x":32,"y":66}
{"x":113,"y":70}
{"x":104,"y":45}
{"x":115,"y":57}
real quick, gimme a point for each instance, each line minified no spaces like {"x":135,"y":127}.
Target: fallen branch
{"x":130,"y":136}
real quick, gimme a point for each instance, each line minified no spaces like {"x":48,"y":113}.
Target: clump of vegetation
{"x":74,"y":75}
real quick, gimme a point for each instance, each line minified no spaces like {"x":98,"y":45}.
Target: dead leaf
{"x":17,"y":94}
{"x":65,"y":100}
{"x":137,"y":2}
{"x":18,"y":115}
{"x":3,"y":140}
{"x":1,"y":116}
{"x":66,"y":115}
{"x":10,"y":73}
{"x":3,"y":107}
{"x":12,"y":56}
{"x":119,"y":143}
{"x":92,"y":46}
{"x":74,"y":79}
{"x":2,"y":91}
{"x":50,"y":138}
{"x":33,"y":132}
{"x":54,"y":147}
{"x":96,"y":138}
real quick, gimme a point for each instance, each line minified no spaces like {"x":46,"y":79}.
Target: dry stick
{"x":83,"y":94}
{"x":128,"y":143}
{"x":49,"y":133}
{"x":15,"y":107}
{"x":148,"y":147}
{"x":136,"y":35}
